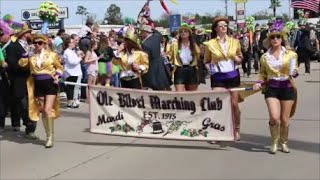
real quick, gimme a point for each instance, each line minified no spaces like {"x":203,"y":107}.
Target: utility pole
{"x":290,"y":17}
{"x":226,"y":6}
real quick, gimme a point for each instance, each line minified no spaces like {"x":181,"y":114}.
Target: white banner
{"x":203,"y":116}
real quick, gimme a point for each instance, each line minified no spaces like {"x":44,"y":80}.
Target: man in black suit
{"x":157,"y":77}
{"x":18,"y":87}
{"x":256,"y":48}
{"x":303,"y":45}
{"x":264,"y":35}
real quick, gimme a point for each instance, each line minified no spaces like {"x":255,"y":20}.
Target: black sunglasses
{"x":275,"y":36}
{"x":39,"y":43}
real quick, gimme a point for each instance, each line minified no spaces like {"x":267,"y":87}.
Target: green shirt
{"x":115,"y":68}
{"x":1,"y":55}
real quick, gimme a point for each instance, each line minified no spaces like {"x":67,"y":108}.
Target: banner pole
{"x":75,"y":84}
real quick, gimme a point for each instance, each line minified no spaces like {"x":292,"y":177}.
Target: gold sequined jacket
{"x":50,"y":65}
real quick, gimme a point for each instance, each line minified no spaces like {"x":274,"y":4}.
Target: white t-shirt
{"x":185,"y":55}
{"x":72,"y":65}
{"x":224,"y":66}
{"x":276,"y":63}
{"x":84,"y":31}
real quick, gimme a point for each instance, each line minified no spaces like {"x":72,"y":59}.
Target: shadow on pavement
{"x":213,"y":147}
{"x":249,"y":142}
{"x":18,"y":137}
{"x":258,"y":143}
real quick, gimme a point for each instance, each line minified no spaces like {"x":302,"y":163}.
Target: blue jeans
{"x":84,"y":80}
{"x":115,"y":80}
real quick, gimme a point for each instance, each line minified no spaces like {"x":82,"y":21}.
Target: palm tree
{"x":274,"y":5}
{"x":82,"y":11}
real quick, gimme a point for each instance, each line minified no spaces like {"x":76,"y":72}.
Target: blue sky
{"x":131,"y":8}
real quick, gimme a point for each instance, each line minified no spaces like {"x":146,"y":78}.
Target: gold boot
{"x":49,"y":142}
{"x":284,"y":138}
{"x":274,"y":131}
{"x":45,"y":125}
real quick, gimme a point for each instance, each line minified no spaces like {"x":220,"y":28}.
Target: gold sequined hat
{"x":24,"y":31}
{"x":131,"y":36}
{"x":39,"y":38}
{"x":216,"y":20}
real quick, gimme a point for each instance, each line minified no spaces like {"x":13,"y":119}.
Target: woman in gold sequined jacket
{"x":132,"y":60}
{"x":223,"y":54}
{"x":278,"y":68}
{"x":45,"y":68}
{"x":184,"y":55}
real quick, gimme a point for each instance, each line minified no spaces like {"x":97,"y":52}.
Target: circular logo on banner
{"x":26,"y":15}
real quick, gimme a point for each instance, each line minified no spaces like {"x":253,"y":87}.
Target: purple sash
{"x":42,"y":76}
{"x":223,"y":76}
{"x":279,"y":84}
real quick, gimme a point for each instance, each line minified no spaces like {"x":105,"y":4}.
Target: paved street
{"x":78,"y":154}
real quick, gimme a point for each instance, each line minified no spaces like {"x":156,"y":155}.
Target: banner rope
{"x":232,"y":90}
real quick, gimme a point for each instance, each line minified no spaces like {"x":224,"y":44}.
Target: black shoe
{"x":69,"y":106}
{"x":16,"y":128}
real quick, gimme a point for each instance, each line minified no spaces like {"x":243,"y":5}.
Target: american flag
{"x":312,"y":5}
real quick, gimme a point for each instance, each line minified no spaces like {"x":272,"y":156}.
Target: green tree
{"x":274,"y":5}
{"x":163,"y":21}
{"x":82,"y":11}
{"x":263,"y":14}
{"x":113,"y":15}
{"x":206,"y":19}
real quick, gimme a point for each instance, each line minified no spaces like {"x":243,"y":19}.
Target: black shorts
{"x":132,"y":84}
{"x":226,"y":83}
{"x":186,"y":75}
{"x":45,"y":87}
{"x":280,"y":93}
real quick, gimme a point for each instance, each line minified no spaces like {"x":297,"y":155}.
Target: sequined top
{"x":50,"y":64}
